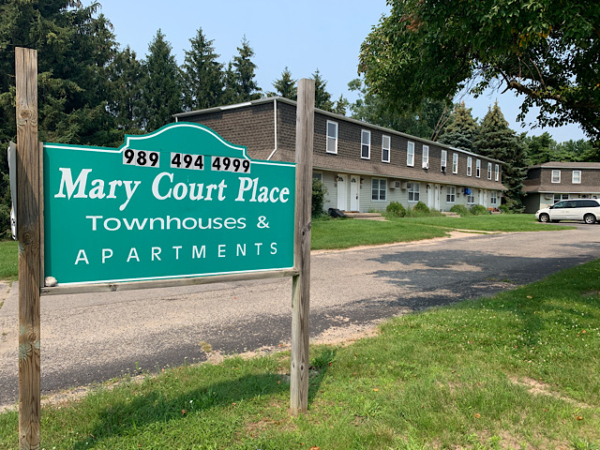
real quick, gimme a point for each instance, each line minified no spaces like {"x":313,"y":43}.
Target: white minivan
{"x":586,"y":210}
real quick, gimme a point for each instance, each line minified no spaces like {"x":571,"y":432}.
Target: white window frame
{"x":379,"y":181}
{"x":364,"y":133}
{"x":469,"y":166}
{"x":489,"y":173}
{"x":443,"y":160}
{"x":384,"y":148}
{"x":560,"y":197}
{"x":493,"y":198}
{"x":454,"y":162}
{"x":414,"y":192}
{"x":328,"y":148}
{"x":425,"y":161}
{"x":450,"y":194}
{"x":555,"y":176}
{"x":410,"y":154}
{"x":478,"y":168}
{"x":497,"y":172}
{"x":576,"y":180}
{"x":471,"y":198}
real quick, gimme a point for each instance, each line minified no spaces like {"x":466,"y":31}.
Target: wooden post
{"x":301,"y":282}
{"x":28,"y":232}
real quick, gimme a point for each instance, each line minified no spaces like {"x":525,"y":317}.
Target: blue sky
{"x":303,"y":36}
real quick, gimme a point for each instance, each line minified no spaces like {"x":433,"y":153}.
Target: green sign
{"x":179,"y":202}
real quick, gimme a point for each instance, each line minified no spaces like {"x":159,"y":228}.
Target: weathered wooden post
{"x":301,"y":282}
{"x":28,"y":232}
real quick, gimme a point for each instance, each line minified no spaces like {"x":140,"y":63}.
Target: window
{"x":470,"y":199}
{"x":494,"y":198}
{"x":410,"y":154}
{"x":454,"y":162}
{"x":365,"y":148}
{"x":413,"y":192}
{"x":489,"y":171}
{"x":444,"y":160}
{"x":318,"y":176}
{"x":576,"y":176}
{"x":332,"y":137}
{"x":378,"y":189}
{"x":478,"y":168}
{"x":450,"y":194}
{"x":559,"y":197}
{"x":469,"y":166}
{"x":426,"y":157}
{"x":385,"y":148}
{"x":556,"y":176}
{"x":497,"y":172}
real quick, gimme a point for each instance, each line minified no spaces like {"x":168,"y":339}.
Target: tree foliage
{"x":202,"y":74}
{"x":462,"y":130}
{"x":425,"y":121}
{"x":162,"y":90}
{"x":240,"y":85}
{"x":496,"y":140}
{"x":285,"y":86}
{"x":547,"y":51}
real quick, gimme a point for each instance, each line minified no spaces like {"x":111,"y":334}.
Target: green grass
{"x":346,"y":233}
{"x":517,"y":371}
{"x":9,"y":264}
{"x":492,"y":222}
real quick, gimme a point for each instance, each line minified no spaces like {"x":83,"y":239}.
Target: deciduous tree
{"x":547,"y":51}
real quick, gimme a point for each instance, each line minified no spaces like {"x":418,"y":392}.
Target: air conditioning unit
{"x":404,"y":186}
{"x":426,"y":166}
{"x":444,"y":169}
{"x":548,"y":196}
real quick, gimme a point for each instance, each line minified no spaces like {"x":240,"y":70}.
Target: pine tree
{"x":127,"y":80}
{"x":239,"y":83}
{"x":462,"y":129}
{"x":322,"y":97}
{"x":496,"y":140}
{"x":202,"y":75}
{"x":162,"y":93}
{"x":285,"y":86}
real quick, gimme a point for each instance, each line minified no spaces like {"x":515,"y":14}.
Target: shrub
{"x":478,"y":210}
{"x":318,"y":197}
{"x":460,"y":210}
{"x":395,"y":209}
{"x":421,"y":207}
{"x":505,"y":209}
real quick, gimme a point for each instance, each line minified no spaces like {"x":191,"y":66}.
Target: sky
{"x":304,"y":36}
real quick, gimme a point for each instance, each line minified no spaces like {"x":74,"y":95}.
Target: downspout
{"x":275,"y":122}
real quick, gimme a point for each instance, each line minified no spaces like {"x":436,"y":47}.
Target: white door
{"x":354,"y":193}
{"x":438,"y":192}
{"x":482,"y":198}
{"x":430,"y":197}
{"x":342,"y":192}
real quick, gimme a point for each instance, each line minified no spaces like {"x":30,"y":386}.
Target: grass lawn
{"x":516,"y":371}
{"x":9,"y":264}
{"x":345,"y":233}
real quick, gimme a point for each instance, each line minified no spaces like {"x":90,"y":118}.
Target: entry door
{"x":436,"y":196}
{"x":354,"y":193}
{"x":430,"y":191}
{"x":342,"y":192}
{"x":482,"y":197}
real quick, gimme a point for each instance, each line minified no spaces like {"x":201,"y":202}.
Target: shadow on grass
{"x":126,"y":417}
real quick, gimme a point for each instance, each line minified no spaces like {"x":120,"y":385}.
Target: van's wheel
{"x":589,"y":218}
{"x":544,"y":218}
